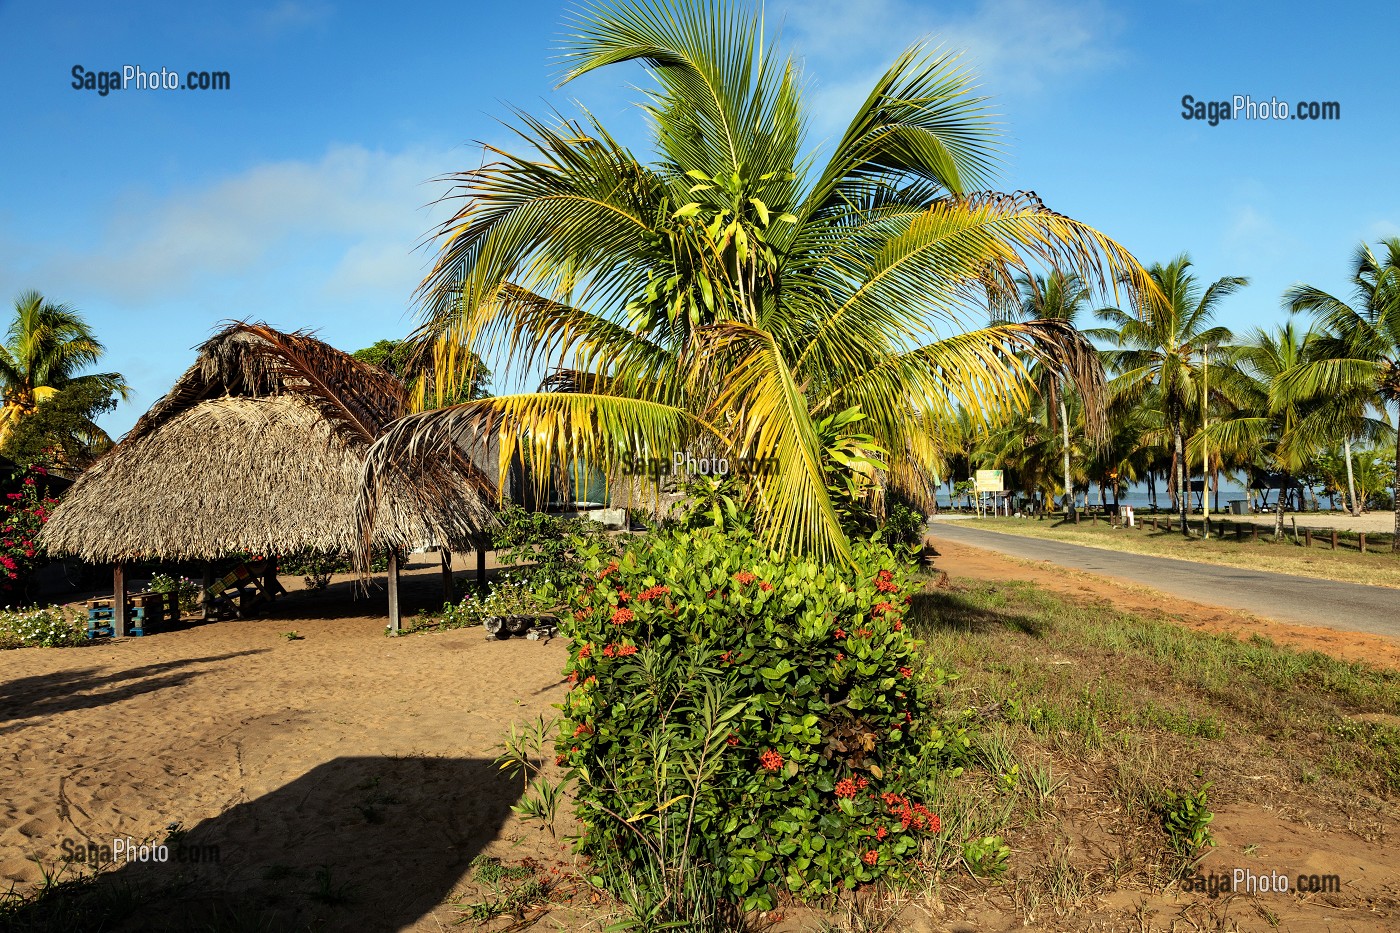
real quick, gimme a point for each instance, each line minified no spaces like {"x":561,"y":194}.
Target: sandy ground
{"x":345,"y":781}
{"x":345,"y":761}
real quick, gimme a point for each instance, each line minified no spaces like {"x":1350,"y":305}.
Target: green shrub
{"x":768,"y":718}
{"x":185,"y":590}
{"x":53,"y":627}
{"x":547,"y":542}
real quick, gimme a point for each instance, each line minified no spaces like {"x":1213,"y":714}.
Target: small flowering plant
{"x":834,"y":731}
{"x":53,"y":627}
{"x":22,"y":514}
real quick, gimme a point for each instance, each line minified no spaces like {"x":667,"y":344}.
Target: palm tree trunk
{"x":1181,"y":490}
{"x":1395,"y":538}
{"x":1069,"y":486}
{"x":1352,"y":503}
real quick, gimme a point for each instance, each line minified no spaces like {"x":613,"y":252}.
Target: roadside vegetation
{"x":1379,"y":566}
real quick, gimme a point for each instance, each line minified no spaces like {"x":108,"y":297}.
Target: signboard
{"x":989,"y":481}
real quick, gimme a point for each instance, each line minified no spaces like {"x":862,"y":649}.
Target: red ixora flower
{"x":732,"y":741}
{"x":651,"y":593}
{"x":727,"y":658}
{"x":770,"y":760}
{"x":881,"y":833}
{"x":884,"y":582}
{"x":898,"y":625}
{"x":608,"y":570}
{"x":624,"y":651}
{"x":846,"y":788}
{"x":871,"y":857}
{"x":585,"y":651}
{"x":765,"y":586}
{"x":609,"y":651}
{"x":906,"y":672}
{"x":840,"y":633}
{"x":581,"y":614}
{"x":840,"y":656}
{"x":744,"y":577}
{"x":622,"y":615}
{"x":583,"y":729}
{"x":880,"y":609}
{"x":623,"y":595}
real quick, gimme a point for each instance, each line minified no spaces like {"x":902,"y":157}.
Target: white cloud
{"x":1014,"y":46}
{"x":350,"y":219}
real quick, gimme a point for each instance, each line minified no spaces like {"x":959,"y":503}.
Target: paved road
{"x":1347,"y":606}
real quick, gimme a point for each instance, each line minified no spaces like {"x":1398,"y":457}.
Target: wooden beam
{"x":395,"y":620}
{"x":446,"y":556}
{"x":206,"y":581}
{"x":119,"y":616}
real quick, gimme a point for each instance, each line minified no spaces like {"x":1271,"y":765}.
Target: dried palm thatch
{"x":260,"y":446}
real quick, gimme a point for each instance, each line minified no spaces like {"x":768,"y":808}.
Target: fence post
{"x":1254,"y":532}
{"x":1334,"y":539}
{"x":1363,"y":542}
{"x":1307,"y":536}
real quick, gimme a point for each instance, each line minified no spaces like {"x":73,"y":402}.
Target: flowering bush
{"x":53,"y":627}
{"x":767,"y":717}
{"x":185,"y":590}
{"x":22,"y":514}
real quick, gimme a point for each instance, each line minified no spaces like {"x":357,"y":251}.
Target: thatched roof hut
{"x":260,"y":446}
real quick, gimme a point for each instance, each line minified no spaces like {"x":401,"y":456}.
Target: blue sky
{"x":300,"y":195}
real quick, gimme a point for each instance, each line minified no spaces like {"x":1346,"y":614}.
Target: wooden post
{"x":119,"y":617}
{"x":270,"y":578}
{"x":1362,"y":536}
{"x":447,"y":593}
{"x":206,"y":581}
{"x":481,"y":568}
{"x":395,"y":622}
{"x":1307,"y":536}
{"x":1254,"y":532}
{"x":1334,"y":539}
{"x":1239,"y":532}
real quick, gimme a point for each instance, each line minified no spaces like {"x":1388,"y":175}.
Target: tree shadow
{"x":356,"y":844}
{"x":950,"y":610}
{"x":63,"y":691}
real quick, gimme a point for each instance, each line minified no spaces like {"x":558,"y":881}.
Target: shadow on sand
{"x":62,"y":691}
{"x":356,"y":844}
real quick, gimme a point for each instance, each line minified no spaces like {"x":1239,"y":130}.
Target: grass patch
{"x":1377,"y":567}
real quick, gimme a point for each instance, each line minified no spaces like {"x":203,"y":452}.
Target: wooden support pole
{"x":395,"y":621}
{"x":1334,"y":539}
{"x":447,"y":593}
{"x":119,"y":617}
{"x":1239,"y":532}
{"x":1307,"y":536}
{"x":270,"y":584}
{"x":481,"y":568}
{"x":1362,"y":536}
{"x":206,"y":581}
{"x":1254,"y":532}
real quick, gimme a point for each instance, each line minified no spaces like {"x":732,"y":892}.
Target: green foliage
{"x":63,"y":428}
{"x":762,"y":717}
{"x":396,"y":356}
{"x":53,"y":627}
{"x":548,"y":543}
{"x":986,"y":856}
{"x":713,"y":502}
{"x":22,"y":515}
{"x":1186,"y":819}
{"x":186,"y":590}
{"x":903,"y":525}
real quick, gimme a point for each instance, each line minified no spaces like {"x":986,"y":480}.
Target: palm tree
{"x":1266,"y":423}
{"x":1058,"y":297}
{"x":1362,"y":341}
{"x":46,"y":347}
{"x":733,"y":291}
{"x":1161,"y":348}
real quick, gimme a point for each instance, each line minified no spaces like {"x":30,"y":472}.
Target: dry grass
{"x":1377,"y":567}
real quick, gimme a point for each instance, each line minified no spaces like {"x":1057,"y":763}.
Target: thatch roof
{"x":260,"y":446}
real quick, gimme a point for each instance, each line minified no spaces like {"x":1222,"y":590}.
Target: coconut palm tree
{"x":734,"y":291}
{"x":46,"y":347}
{"x":1361,"y":343}
{"x":1160,"y":349}
{"x":1057,"y":297}
{"x":1265,"y":422}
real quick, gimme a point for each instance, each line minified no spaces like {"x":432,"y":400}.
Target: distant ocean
{"x":1137,"y":496}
